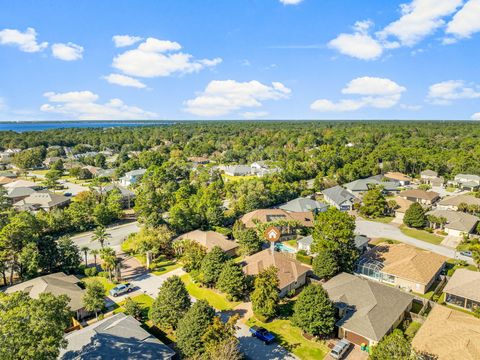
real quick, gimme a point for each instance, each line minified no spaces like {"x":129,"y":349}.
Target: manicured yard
{"x":162,"y":267}
{"x":104,"y":281}
{"x":412,"y":329}
{"x":291,"y":338}
{"x":143,"y":300}
{"x":421,"y":235}
{"x":214,"y":298}
{"x":454,"y":264}
{"x":237,"y":178}
{"x":291,"y":243}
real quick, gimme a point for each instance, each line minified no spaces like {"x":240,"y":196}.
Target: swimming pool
{"x":284,"y":248}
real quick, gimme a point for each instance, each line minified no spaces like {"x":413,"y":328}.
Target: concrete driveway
{"x":72,"y":188}
{"x":118,"y":234}
{"x":374,"y":229}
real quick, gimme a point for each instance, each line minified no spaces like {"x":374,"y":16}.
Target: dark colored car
{"x":67,"y":194}
{"x":262,"y":334}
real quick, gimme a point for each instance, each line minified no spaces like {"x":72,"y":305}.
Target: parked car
{"x":121,"y":289}
{"x":340,"y":349}
{"x":466,"y":253}
{"x":262,"y":334}
{"x":67,"y":194}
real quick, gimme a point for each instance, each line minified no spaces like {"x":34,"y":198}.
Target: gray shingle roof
{"x":338,"y":195}
{"x":366,"y":184}
{"x":303,"y":205}
{"x":456,"y":220}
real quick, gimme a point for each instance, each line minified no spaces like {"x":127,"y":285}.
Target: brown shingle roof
{"x":407,"y":262}
{"x":449,"y":334}
{"x":289,"y":269}
{"x":209,"y":239}
{"x":403,"y":204}
{"x":459,"y":199}
{"x":397,"y":176}
{"x":464,"y":283}
{"x":419,"y":194}
{"x":270,"y":215}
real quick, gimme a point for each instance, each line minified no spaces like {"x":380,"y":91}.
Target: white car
{"x":340,"y":348}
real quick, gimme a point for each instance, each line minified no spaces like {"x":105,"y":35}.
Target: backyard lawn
{"x":412,"y":329}
{"x":421,"y":235}
{"x":238,"y":178}
{"x":215,"y":299}
{"x":104,"y":281}
{"x":291,"y":338}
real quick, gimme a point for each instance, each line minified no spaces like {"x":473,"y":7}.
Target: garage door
{"x":356,"y":339}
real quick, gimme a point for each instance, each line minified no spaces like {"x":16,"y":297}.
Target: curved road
{"x":374,"y":229}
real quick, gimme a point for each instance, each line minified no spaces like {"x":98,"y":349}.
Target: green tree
{"x":94,"y":253}
{"x":157,"y":240}
{"x":265,"y":296}
{"x":51,"y":178}
{"x":192,"y":255}
{"x":325,"y":264}
{"x":220,"y":341}
{"x":171,"y":304}
{"x":101,"y":235}
{"x":232,"y":280}
{"x":374,"y":203}
{"x":212,"y":265}
{"x":94,"y":297}
{"x":133,"y":308}
{"x":85,"y":250}
{"x":32,"y":328}
{"x":109,"y":260}
{"x":248,"y":241}
{"x":29,"y":261}
{"x":393,"y":346}
{"x":334,"y":232}
{"x":192,"y":327}
{"x":69,"y":258}
{"x":415,"y":216}
{"x":313,"y":311}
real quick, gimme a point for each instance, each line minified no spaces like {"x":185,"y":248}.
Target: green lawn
{"x":215,"y":299}
{"x":383,"y":240}
{"x":421,"y":235}
{"x":384,"y":220}
{"x":412,"y":329}
{"x":291,"y":338}
{"x":143,"y":300}
{"x":291,"y":243}
{"x":104,"y":281}
{"x":163,"y":267}
{"x":238,"y":178}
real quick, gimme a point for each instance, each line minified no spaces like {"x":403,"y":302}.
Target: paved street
{"x":374,"y":229}
{"x":118,"y":234}
{"x":72,"y":188}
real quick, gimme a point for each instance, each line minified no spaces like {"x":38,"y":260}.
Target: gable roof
{"x":464,"y":283}
{"x":456,"y":220}
{"x":303,"y":204}
{"x":338,"y":195}
{"x":289,"y":269}
{"x":428,"y":172}
{"x":403,"y":204}
{"x":118,"y":337}
{"x":137,"y":172}
{"x":449,"y":334}
{"x":5,"y":180}
{"x":394,"y":175}
{"x":271,"y":215}
{"x":21,"y":183}
{"x":19,"y":192}
{"x":238,"y":169}
{"x":373,"y":307}
{"x":366,"y":184}
{"x":209,"y":239}
{"x":56,"y":284}
{"x":459,"y":199}
{"x":419,"y":194}
{"x":407,"y":262}
{"x":44,"y":199}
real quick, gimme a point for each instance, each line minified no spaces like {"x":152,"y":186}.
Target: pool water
{"x":284,"y":248}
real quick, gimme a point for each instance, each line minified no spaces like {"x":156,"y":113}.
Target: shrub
{"x":304,"y":258}
{"x":103,"y":274}
{"x":91,"y":271}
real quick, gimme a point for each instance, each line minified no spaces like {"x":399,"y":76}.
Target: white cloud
{"x":67,"y":52}
{"x":222,"y":97}
{"x":411,"y":107}
{"x":465,"y":22}
{"x":156,"y":58}
{"x":373,"y":92}
{"x":82,"y":105}
{"x":360,"y":44}
{"x":419,"y":19}
{"x":250,"y":115}
{"x":125,"y":40}
{"x":476,"y":116}
{"x":290,"y":2}
{"x":443,"y":93}
{"x":124,"y":80}
{"x":25,"y":41}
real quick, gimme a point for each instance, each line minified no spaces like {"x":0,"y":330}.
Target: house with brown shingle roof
{"x":453,"y":202}
{"x":291,"y":273}
{"x":402,"y":207}
{"x":457,"y":223}
{"x":210,"y":239}
{"x":420,"y":196}
{"x":463,"y":289}
{"x":402,"y":265}
{"x":449,"y":335}
{"x":398,"y":176}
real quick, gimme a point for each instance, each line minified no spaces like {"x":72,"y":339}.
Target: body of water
{"x":39,"y":126}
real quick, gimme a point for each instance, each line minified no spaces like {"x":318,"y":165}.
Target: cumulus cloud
{"x":476,"y":116}
{"x":222,"y":97}
{"x":443,"y":93}
{"x":290,"y":2}
{"x":67,"y":52}
{"x":82,"y":105}
{"x":371,"y":91}
{"x":251,"y":115}
{"x":465,"y":22}
{"x":125,"y":40}
{"x":124,"y":80}
{"x":157,"y":58}
{"x":360,"y":44}
{"x":26,"y":41}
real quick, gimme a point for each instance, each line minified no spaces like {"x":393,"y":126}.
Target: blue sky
{"x":239,"y":59}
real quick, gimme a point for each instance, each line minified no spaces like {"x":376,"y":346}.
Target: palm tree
{"x":100,"y":234}
{"x":94,"y":252}
{"x":110,"y":260}
{"x":85,"y":251}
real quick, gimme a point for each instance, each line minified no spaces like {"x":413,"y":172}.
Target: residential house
{"x":402,"y":265}
{"x":48,"y":162}
{"x":463,"y":289}
{"x":453,"y":202}
{"x":42,"y":199}
{"x":303,"y":204}
{"x":431,"y":178}
{"x":118,"y":337}
{"x":56,"y":284}
{"x":105,"y":173}
{"x":132,"y":177}
{"x":398,"y":177}
{"x":455,"y":223}
{"x":367,"y":310}
{"x":7,"y":155}
{"x":340,"y":198}
{"x":420,"y":196}
{"x":467,"y":182}
{"x":449,"y":335}
{"x":198,"y":160}
{"x":237,"y":170}
{"x":402,"y":207}
{"x":291,"y":273}
{"x":22,"y":184}
{"x":18,"y":193}
{"x":128,"y":196}
{"x":260,"y":168}
{"x":360,"y":186}
{"x":361,"y":243}
{"x":5,"y":180}
{"x":210,"y":239}
{"x":8,"y":174}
